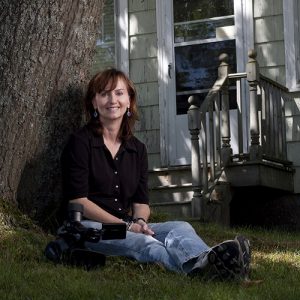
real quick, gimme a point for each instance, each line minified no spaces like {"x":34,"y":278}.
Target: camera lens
{"x":75,"y":211}
{"x":56,"y":250}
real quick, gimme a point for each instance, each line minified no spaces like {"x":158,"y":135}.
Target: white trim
{"x":165,"y":90}
{"x":204,"y":20}
{"x":204,"y":41}
{"x":122,"y":35}
{"x":243,"y":11}
{"x":292,"y":45}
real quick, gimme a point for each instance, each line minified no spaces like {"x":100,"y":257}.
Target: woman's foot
{"x":229,"y":260}
{"x":226,"y":260}
{"x":246,"y":255}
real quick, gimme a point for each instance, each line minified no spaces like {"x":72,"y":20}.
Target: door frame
{"x":243,"y":11}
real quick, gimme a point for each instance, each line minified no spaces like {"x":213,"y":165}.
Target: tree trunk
{"x":46,"y":49}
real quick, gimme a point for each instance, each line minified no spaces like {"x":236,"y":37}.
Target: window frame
{"x":196,"y":42}
{"x":121,"y":36}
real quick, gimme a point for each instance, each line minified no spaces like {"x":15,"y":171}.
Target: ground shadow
{"x":39,"y":191}
{"x":265,"y":207}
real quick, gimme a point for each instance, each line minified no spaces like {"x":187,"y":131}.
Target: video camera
{"x":69,"y":246}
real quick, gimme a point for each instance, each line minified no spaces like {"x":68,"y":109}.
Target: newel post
{"x":252,"y":70}
{"x":223,"y":72}
{"x":194,"y":128}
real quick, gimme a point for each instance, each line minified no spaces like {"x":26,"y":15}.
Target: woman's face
{"x":112,"y":104}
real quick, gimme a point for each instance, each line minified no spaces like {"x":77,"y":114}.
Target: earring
{"x":95,"y":114}
{"x":128,"y":113}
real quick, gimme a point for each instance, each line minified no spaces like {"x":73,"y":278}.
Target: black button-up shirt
{"x":89,"y":170}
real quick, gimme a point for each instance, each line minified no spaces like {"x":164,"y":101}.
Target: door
{"x":194,"y":34}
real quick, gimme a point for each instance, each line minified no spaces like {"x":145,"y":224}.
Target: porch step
{"x":171,"y":192}
{"x":178,"y":210}
{"x":169,"y":176}
{"x":260,"y":173}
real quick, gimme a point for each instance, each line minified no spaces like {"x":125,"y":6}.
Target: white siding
{"x":147,"y":93}
{"x":269,"y":43}
{"x":143,"y":72}
{"x":149,"y":118}
{"x":266,"y":8}
{"x":269,"y":38}
{"x":143,"y":46}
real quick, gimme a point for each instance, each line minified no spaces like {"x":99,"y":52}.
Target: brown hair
{"x":98,"y":84}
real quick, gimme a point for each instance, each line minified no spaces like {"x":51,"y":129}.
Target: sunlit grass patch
{"x":27,"y":274}
{"x":287,"y":257}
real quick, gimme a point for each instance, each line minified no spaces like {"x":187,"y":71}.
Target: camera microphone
{"x":75,"y":212}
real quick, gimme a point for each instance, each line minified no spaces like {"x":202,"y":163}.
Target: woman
{"x":105,"y":169}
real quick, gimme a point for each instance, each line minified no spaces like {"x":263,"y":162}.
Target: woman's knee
{"x":182,"y":225}
{"x":141,"y":240}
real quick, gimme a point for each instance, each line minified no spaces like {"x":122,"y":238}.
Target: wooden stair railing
{"x":260,"y":127}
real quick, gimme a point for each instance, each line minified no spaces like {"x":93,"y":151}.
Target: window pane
{"x":201,"y":30}
{"x":196,"y":68}
{"x":105,"y":50}
{"x":191,"y":10}
{"x":196,"y":65}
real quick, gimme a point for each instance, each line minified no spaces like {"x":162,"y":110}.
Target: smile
{"x":113,"y":108}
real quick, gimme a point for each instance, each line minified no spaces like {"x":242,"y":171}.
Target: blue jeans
{"x":175,"y":245}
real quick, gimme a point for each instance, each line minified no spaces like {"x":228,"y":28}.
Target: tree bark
{"x":46,"y":49}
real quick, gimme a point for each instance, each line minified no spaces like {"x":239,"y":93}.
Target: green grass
{"x":26,"y":274}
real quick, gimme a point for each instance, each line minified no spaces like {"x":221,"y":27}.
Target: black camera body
{"x":69,"y":246}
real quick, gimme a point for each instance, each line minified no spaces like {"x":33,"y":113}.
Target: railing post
{"x":194,"y":128}
{"x":253,"y":80}
{"x":223,"y":71}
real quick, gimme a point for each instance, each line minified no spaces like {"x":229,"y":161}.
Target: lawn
{"x":26,"y":274}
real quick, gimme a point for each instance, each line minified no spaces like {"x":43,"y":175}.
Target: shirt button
{"x":117,"y":186}
{"x":116,"y":200}
{"x":117,"y":158}
{"x":116,"y":172}
{"x":120,"y":208}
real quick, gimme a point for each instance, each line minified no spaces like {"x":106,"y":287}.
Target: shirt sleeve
{"x":142,"y":194}
{"x":75,"y":168}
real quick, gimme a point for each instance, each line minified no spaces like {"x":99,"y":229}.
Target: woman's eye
{"x":103,"y":94}
{"x":119,"y":93}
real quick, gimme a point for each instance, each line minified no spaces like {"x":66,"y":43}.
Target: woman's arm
{"x":141,"y":213}
{"x":93,"y":212}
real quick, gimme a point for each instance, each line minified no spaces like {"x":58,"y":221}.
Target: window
{"x":202,"y":31}
{"x":105,"y":55}
{"x":111,"y":50}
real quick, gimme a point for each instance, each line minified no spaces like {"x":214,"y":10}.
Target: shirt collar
{"x":130,"y":145}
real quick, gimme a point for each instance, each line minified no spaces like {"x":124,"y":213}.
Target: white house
{"x":171,"y":49}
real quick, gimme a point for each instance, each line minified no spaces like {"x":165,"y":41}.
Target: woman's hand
{"x":141,"y":213}
{"x":140,"y":227}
